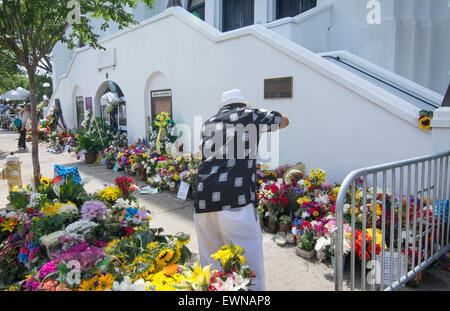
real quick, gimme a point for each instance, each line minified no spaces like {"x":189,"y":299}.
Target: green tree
{"x":29,"y":30}
{"x":11,"y":76}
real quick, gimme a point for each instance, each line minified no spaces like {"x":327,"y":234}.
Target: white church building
{"x":351,"y":75}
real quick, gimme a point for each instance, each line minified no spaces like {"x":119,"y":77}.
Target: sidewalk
{"x":284,"y":270}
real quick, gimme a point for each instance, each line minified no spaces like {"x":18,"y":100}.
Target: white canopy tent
{"x":18,"y":94}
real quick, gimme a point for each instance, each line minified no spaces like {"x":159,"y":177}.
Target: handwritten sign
{"x":388,"y":257}
{"x":183,"y":191}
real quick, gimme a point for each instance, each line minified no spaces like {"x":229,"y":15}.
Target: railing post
{"x":339,"y":235}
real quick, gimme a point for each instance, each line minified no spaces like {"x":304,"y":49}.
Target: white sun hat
{"x":233,"y":97}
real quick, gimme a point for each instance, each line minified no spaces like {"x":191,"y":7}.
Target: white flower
{"x":305,"y":215}
{"x":80,"y":228}
{"x":67,"y":208}
{"x":322,"y":199}
{"x":346,"y":208}
{"x":51,"y":238}
{"x":127,"y":285}
{"x":321,"y":243}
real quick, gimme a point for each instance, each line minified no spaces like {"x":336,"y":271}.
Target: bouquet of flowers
{"x":162,"y":132}
{"x":273,"y":198}
{"x":234,"y":276}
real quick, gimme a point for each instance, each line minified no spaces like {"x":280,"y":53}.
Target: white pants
{"x":241,"y":226}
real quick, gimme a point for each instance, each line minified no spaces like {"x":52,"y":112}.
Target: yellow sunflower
{"x":425,"y":123}
{"x":87,"y":285}
{"x":163,"y":257}
{"x":105,"y":282}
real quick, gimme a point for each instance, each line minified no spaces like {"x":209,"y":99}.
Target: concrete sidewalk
{"x":284,"y":270}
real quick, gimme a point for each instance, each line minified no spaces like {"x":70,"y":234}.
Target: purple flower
{"x":86,"y":255}
{"x":93,"y":209}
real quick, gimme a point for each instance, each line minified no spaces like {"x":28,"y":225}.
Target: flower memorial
{"x":107,"y":237}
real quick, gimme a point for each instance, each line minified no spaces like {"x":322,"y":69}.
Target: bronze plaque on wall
{"x":278,"y":88}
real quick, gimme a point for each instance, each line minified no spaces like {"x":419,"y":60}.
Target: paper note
{"x":387,"y":265}
{"x":183,"y":191}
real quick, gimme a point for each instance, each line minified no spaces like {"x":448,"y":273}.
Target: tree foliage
{"x":30,"y":29}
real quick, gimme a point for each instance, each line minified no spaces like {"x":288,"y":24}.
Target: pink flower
{"x":46,"y":269}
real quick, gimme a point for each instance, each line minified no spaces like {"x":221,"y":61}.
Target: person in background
{"x":25,"y":116}
{"x":226,"y":184}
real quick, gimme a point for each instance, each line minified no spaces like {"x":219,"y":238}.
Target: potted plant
{"x":305,"y":244}
{"x":285,"y":223}
{"x":110,"y":157}
{"x":92,"y":144}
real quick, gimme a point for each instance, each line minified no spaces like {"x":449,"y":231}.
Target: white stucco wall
{"x":412,"y":39}
{"x":338,"y":121}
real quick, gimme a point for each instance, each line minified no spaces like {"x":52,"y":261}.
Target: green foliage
{"x":70,"y":192}
{"x":307,"y":240}
{"x":89,"y":142}
{"x":18,"y":199}
{"x":98,"y":137}
{"x":48,"y":224}
{"x":285,"y":220}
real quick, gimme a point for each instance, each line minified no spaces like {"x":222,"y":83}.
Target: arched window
{"x":197,"y":7}
{"x":287,"y":8}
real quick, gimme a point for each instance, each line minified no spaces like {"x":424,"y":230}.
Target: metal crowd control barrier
{"x":396,"y":230}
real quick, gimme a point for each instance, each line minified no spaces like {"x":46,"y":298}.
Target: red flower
{"x":2,"y":219}
{"x":252,"y":275}
{"x":284,"y":200}
{"x":306,"y":225}
{"x":30,"y":210}
{"x":129,"y":230}
{"x":274,"y":189}
{"x":274,"y":200}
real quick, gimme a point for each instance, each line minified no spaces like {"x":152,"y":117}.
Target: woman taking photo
{"x":24,"y":116}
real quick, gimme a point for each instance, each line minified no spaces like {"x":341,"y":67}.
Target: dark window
{"x":237,"y":14}
{"x":287,"y":8}
{"x":197,"y":7}
{"x":80,"y":110}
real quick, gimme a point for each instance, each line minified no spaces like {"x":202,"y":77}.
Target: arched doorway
{"x":158,"y":96}
{"x":110,"y":104}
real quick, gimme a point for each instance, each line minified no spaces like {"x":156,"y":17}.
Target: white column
{"x":261,"y":10}
{"x":440,"y":132}
{"x":213,"y":13}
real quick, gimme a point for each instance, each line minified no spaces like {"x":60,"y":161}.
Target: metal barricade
{"x":392,"y":233}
